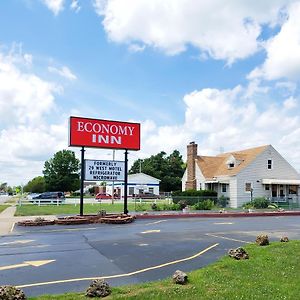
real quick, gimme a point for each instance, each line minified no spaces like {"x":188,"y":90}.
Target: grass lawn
{"x":35,"y":210}
{"x":272,"y":272}
{"x":3,"y":207}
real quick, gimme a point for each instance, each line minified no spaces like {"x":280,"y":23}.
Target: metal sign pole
{"x":82,"y":181}
{"x":125,"y":182}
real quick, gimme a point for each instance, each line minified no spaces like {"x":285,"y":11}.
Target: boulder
{"x":284,"y":239}
{"x":98,"y":288}
{"x":262,"y":240}
{"x":8,"y":292}
{"x":238,"y":253}
{"x":180,"y":277}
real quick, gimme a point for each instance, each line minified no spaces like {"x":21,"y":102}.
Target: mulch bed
{"x":87,"y":219}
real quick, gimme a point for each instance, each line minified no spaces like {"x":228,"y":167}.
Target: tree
{"x":169,"y":169}
{"x":36,"y":185}
{"x":62,"y":172}
{"x":3,"y":186}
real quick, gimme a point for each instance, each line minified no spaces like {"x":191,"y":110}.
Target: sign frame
{"x":132,"y":143}
{"x":116,"y":163}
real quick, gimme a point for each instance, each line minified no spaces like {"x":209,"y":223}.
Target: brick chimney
{"x":191,"y":166}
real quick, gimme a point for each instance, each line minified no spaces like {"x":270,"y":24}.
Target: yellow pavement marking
{"x":121,"y":275}
{"x":223,"y":223}
{"x":17,"y":242}
{"x":151,"y":231}
{"x":227,"y":238}
{"x":36,"y":263}
{"x":157,"y":222}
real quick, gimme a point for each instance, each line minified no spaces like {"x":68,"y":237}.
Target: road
{"x":57,"y":259}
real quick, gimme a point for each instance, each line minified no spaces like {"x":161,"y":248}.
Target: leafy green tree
{"x":169,"y":169}
{"x":62,"y":172}
{"x":36,"y":185}
{"x":3,"y":186}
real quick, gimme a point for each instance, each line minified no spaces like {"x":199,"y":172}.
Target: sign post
{"x":126,"y":183}
{"x":107,"y":134}
{"x":82,"y":180}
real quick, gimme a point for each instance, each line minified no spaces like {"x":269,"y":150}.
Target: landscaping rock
{"x":284,"y":239}
{"x":8,"y":292}
{"x":180,"y":277}
{"x":238,"y":253}
{"x":98,"y":288}
{"x":262,"y":240}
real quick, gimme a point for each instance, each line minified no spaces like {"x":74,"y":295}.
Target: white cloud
{"x":24,"y":97}
{"x":63,"y":72}
{"x":26,"y":138}
{"x":283,"y":50}
{"x":136,"y":48}
{"x":290,"y":103}
{"x":75,"y":6}
{"x":56,"y":6}
{"x":222,"y":119}
{"x":222,"y":29}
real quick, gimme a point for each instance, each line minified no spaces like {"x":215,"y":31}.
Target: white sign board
{"x":104,"y":170}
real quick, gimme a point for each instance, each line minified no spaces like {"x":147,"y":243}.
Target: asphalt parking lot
{"x":58,"y":259}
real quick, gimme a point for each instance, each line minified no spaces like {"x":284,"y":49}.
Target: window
{"x":151,"y":190}
{"x":248,"y":187}
{"x":270,"y":164}
{"x":231,"y":165}
{"x":131,"y":190}
{"x":267,"y":187}
{"x":224,"y":188}
{"x":293,"y":190}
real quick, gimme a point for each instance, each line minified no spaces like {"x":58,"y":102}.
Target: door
{"x":274,"y":191}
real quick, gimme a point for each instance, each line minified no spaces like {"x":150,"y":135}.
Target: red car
{"x":102,"y":196}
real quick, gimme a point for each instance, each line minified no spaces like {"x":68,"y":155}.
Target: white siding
{"x":200,"y":179}
{"x":183,"y":180}
{"x":233,"y":193}
{"x":257,"y":170}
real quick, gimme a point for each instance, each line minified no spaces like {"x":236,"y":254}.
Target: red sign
{"x":104,"y":134}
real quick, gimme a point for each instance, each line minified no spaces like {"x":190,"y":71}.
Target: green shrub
{"x":195,"y":193}
{"x":259,"y":202}
{"x":222,"y":201}
{"x":155,"y":207}
{"x":182,"y":204}
{"x":192,"y":196}
{"x":248,"y":205}
{"x":204,"y":205}
{"x":141,"y":207}
{"x":172,"y":206}
{"x":272,"y":205}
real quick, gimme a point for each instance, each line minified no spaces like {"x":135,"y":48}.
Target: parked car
{"x":49,"y":197}
{"x":146,"y":195}
{"x":102,"y":196}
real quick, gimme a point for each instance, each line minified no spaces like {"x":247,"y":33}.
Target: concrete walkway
{"x":8,"y":220}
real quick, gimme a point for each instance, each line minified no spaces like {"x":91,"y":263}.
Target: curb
{"x":219,"y":215}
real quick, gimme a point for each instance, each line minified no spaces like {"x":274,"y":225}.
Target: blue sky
{"x":223,"y":73}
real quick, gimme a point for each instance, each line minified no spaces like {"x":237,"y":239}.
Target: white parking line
{"x":151,"y":231}
{"x":157,"y":222}
{"x":227,"y":238}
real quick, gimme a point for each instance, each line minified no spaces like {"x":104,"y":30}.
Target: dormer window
{"x":270,"y":164}
{"x":230,"y":165}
